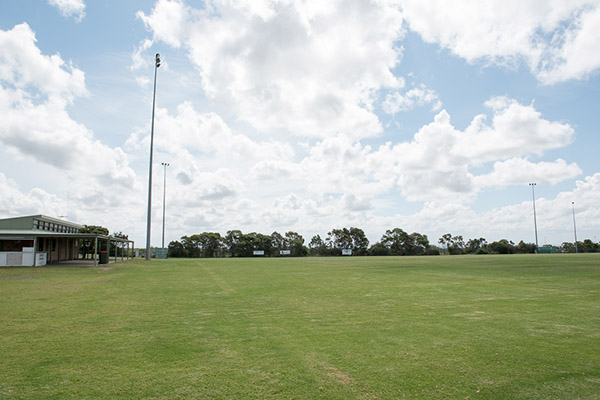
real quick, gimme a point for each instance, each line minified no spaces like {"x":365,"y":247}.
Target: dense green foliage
{"x":487,"y":327}
{"x":394,"y":242}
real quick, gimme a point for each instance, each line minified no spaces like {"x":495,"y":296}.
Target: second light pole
{"x":574,"y":227}
{"x":165,"y":165}
{"x":534,"y":217}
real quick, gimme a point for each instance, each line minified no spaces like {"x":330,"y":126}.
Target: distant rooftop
{"x":40,"y":222}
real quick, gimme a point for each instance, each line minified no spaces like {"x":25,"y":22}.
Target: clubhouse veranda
{"x":38,"y":240}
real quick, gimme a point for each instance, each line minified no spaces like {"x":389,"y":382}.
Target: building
{"x":39,"y":240}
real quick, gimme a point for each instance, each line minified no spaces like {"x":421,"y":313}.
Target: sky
{"x":304,"y":116}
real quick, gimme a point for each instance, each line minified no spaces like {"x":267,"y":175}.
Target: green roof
{"x":35,"y":222}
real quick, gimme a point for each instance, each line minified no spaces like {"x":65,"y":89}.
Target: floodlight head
{"x":157,"y":60}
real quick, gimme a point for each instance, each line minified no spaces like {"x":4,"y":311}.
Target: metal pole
{"x":165,"y":165}
{"x":534,"y":216}
{"x":149,"y":218}
{"x":574,"y":227}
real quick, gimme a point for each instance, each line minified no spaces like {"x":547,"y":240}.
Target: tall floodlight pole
{"x":574,"y":227}
{"x":149,"y":219}
{"x":165,"y":165}
{"x":534,"y":216}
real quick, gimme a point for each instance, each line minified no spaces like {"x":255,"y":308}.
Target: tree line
{"x":395,"y":242}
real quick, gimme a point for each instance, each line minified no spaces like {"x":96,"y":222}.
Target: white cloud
{"x":190,"y":135}
{"x":35,"y":91}
{"x":307,"y":68}
{"x":437,"y":163}
{"x":70,"y":8}
{"x":556,"y":39}
{"x":169,"y":21}
{"x":416,"y":97}
{"x":519,"y":171}
{"x":24,"y":67}
{"x":580,"y":55}
{"x":14,"y":203}
{"x":137,"y":58}
{"x":516,"y":130}
{"x":273,"y":170}
{"x":39,"y":127}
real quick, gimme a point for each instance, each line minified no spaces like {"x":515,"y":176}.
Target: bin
{"x":103,"y":257}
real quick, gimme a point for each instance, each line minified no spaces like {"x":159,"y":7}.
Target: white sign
{"x":40,"y":259}
{"x":258,"y":252}
{"x":285,"y":252}
{"x":346,"y":252}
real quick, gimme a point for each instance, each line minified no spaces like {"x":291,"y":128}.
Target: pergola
{"x":40,"y":239}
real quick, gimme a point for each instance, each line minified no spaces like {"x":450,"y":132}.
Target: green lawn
{"x":477,"y":327}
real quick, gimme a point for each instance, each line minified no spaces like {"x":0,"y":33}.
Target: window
{"x":35,"y":224}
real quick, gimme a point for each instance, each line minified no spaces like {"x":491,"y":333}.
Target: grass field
{"x":477,"y":327}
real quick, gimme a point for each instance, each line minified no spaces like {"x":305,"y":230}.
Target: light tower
{"x":149,"y":219}
{"x":534,"y":216}
{"x":574,"y":227}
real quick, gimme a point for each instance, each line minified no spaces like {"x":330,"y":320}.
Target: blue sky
{"x":304,"y":116}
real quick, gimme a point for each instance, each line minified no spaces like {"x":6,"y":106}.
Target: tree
{"x":353,"y":238}
{"x":243,"y":244}
{"x":395,"y":240}
{"x":317,"y":247}
{"x":502,"y":246}
{"x":476,"y":246}
{"x":260,"y":242}
{"x":210,"y":243}
{"x":458,"y":245}
{"x":454,"y":244}
{"x":446,"y":240}
{"x":175,"y":249}
{"x":587,"y":246}
{"x":567,"y":247}
{"x":119,"y":245}
{"x":525,"y":248}
{"x":88,"y":246}
{"x":378,"y":249}
{"x":360,"y":243}
{"x":417,"y":244}
{"x":296,"y":244}
{"x":339,"y":239}
{"x":401,"y":243}
{"x":232,"y":241}
{"x":191,"y":246}
{"x":278,"y":243}
{"x":96,"y":229}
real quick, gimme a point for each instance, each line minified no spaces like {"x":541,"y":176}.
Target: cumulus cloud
{"x":520,"y":171}
{"x":556,"y":39}
{"x":70,"y":8}
{"x":14,"y":203}
{"x":312,"y":69}
{"x":416,"y":97}
{"x":439,"y":160}
{"x":41,"y":128}
{"x":516,"y":129}
{"x":35,"y":90}
{"x":24,"y":67}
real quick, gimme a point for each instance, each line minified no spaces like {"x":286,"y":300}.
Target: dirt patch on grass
{"x":339,"y":376}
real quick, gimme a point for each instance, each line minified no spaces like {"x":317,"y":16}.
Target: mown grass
{"x":477,"y":327}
